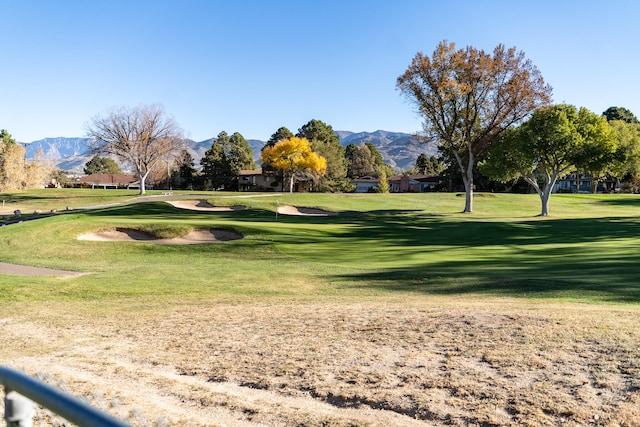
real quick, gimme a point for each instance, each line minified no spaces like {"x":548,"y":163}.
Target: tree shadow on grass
{"x":581,"y":258}
{"x":611,"y":279}
{"x":418,"y":229}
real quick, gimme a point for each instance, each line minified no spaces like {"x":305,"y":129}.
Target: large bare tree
{"x":142,"y":137}
{"x":467,"y":97}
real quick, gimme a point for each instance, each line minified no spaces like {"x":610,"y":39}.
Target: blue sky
{"x":252,"y":66}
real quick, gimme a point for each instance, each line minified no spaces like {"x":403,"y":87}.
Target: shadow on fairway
{"x":581,"y":258}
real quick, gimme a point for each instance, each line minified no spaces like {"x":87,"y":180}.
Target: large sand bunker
{"x":202,"y":205}
{"x":294,"y":210}
{"x":192,"y":238}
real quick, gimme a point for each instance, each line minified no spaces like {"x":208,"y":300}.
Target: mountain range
{"x":399,"y":150}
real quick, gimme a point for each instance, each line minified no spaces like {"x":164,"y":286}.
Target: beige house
{"x":254,"y":180}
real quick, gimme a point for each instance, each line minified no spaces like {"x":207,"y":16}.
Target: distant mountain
{"x":58,"y":148}
{"x":399,"y":150}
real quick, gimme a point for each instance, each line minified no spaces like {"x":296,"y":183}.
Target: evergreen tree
{"x":326,"y":143}
{"x":215,"y":167}
{"x":383,"y":186}
{"x":360,"y":162}
{"x":102,"y":165}
{"x":184,"y":176}
{"x":240,"y":153}
{"x":224,"y":160}
{"x":379,"y":161}
{"x":429,"y":165}
{"x":280,"y":135}
{"x":620,"y":113}
{"x":6,"y":139}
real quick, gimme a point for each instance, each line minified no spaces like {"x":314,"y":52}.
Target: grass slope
{"x":378,"y":244}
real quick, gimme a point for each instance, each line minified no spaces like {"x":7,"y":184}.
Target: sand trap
{"x":294,"y":210}
{"x":203,"y":205}
{"x":193,"y":238}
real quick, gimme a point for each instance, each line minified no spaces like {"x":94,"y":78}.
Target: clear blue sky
{"x":252,"y":66}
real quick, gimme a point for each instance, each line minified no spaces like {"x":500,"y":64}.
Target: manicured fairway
{"x":399,"y":310}
{"x":374,"y":245}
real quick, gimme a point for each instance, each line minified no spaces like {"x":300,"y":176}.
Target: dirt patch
{"x":25,"y":270}
{"x":192,"y":238}
{"x":295,"y":210}
{"x":203,"y":205}
{"x":427,"y":361}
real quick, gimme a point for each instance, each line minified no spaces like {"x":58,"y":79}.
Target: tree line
{"x":489,"y":113}
{"x":313,"y":155}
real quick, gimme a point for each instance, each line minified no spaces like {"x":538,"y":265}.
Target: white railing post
{"x":20,"y":386}
{"x":18,"y":410}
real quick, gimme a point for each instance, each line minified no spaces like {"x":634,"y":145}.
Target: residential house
{"x":414,"y":183}
{"x":366,"y":184}
{"x":254,"y":180}
{"x":105,"y":180}
{"x":578,"y":183}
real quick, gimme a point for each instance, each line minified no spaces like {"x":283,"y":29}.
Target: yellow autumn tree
{"x":295,"y":158}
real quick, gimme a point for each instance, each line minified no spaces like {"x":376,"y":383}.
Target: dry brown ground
{"x":424,"y":361}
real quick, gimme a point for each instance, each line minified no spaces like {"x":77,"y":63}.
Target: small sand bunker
{"x":193,"y":238}
{"x":203,"y":205}
{"x":294,"y":210}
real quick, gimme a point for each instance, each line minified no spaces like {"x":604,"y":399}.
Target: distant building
{"x":578,"y":183}
{"x":254,"y":180}
{"x":105,"y":180}
{"x":366,"y":184}
{"x":414,"y":183}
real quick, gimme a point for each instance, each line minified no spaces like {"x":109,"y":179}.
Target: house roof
{"x":366,"y":179}
{"x":249,"y":172}
{"x":417,"y":178}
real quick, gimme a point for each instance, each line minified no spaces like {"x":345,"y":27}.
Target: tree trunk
{"x":467,"y":179}
{"x":543,"y":193}
{"x":468,"y":184}
{"x":468,"y":189}
{"x":291,"y":184}
{"x":143,"y":178}
{"x":544,"y":198}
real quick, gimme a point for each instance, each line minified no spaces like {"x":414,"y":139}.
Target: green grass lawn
{"x":397,"y":244}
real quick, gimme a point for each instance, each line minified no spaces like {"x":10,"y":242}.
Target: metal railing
{"x":21,"y":391}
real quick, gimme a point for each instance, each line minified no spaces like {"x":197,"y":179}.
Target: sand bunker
{"x":193,"y":238}
{"x":203,"y":205}
{"x":294,"y":210}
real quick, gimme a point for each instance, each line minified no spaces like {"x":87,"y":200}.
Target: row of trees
{"x":313,"y":154}
{"x":495,"y":110}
